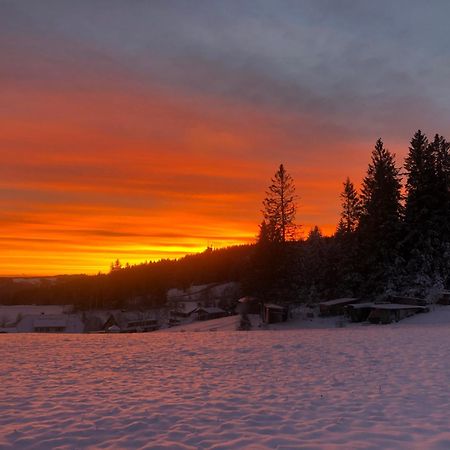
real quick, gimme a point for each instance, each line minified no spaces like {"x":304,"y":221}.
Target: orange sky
{"x":149,"y":131}
{"x":141,"y":176}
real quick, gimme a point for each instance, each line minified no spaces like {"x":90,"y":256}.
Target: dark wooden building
{"x":208,"y":313}
{"x":335,"y":307}
{"x":272,"y":313}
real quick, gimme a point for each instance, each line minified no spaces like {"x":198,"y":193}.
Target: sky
{"x":142,"y":130}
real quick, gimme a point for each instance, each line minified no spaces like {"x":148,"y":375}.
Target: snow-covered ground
{"x":337,"y":388}
{"x":230,"y":323}
{"x":437,"y":315}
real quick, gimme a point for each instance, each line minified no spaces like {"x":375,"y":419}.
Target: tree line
{"x":392,"y":237}
{"x":132,"y":286}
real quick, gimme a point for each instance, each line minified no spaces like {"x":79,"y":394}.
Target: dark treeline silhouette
{"x":392,"y":238}
{"x":144,"y":285}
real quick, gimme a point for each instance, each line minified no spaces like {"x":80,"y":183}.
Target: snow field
{"x":356,"y":388}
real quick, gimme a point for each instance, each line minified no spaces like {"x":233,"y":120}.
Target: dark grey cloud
{"x":354,"y":65}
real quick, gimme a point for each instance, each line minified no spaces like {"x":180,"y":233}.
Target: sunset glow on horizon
{"x":146,"y":130}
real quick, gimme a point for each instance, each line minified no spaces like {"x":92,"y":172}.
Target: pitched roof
{"x":209,"y":310}
{"x":54,"y":321}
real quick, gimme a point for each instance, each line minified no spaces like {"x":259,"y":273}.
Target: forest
{"x":392,"y":238}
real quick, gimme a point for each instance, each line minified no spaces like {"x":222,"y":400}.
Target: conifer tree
{"x":381,"y":208}
{"x":280,"y":207}
{"x":420,"y":184}
{"x":346,"y":243}
{"x":313,"y":264}
{"x":315,"y":234}
{"x":426,"y":215}
{"x":351,"y":209}
{"x":379,"y":225}
{"x":273,"y":260}
{"x":441,"y":152}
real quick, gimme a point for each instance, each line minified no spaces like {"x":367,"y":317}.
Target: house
{"x":208,"y":313}
{"x":50,"y":324}
{"x":181,"y":313}
{"x":13,"y":313}
{"x":95,"y":320}
{"x":183,"y":310}
{"x":272,"y":313}
{"x":335,"y":307}
{"x":140,"y":326}
{"x":130,"y":322}
{"x":213,"y":294}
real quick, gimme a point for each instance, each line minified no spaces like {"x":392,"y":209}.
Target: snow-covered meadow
{"x":347,"y":388}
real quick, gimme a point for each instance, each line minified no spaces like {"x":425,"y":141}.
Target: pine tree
{"x":280,"y":207}
{"x":271,"y":274}
{"x":315,"y":234}
{"x":441,"y":152}
{"x":264,"y":234}
{"x":379,"y":225}
{"x":351,"y":209}
{"x":313,"y":264}
{"x":381,"y":208}
{"x":273,"y":261}
{"x":345,"y":249}
{"x":420,"y":184}
{"x":426,"y":213}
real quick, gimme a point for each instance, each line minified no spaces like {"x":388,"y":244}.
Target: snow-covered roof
{"x":338,"y":301}
{"x":10,"y":313}
{"x":361,"y":305}
{"x":188,"y":306}
{"x":247,"y":299}
{"x":59,"y":321}
{"x":210,"y":310}
{"x":397,"y":306}
{"x":191,"y":293}
{"x":196,"y":292}
{"x":273,"y":306}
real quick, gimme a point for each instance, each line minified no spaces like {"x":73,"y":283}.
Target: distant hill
{"x":144,"y":284}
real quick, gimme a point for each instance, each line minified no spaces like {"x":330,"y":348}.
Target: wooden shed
{"x":335,"y":307}
{"x":205,"y":313}
{"x":359,"y":312}
{"x":402,"y":300}
{"x":390,"y":312}
{"x":444,"y":298}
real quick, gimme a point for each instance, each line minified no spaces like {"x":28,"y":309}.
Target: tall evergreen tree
{"x":420,"y":184}
{"x":345,"y":243}
{"x":272,"y":273}
{"x":381,"y":208}
{"x":351,"y":209}
{"x":280,"y":207}
{"x":380,"y":219}
{"x":440,"y":149}
{"x":313,"y":264}
{"x":426,"y":212}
